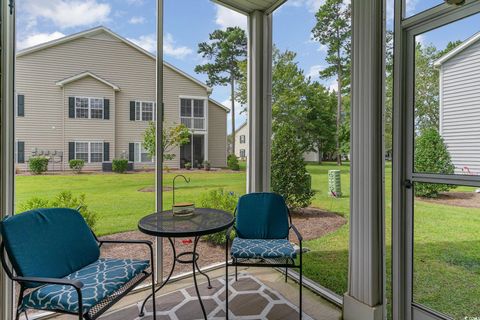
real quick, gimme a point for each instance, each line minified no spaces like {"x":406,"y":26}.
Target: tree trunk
{"x":339,"y":114}
{"x":232,"y":97}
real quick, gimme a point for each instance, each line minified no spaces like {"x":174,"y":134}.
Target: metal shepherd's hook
{"x":187,"y":180}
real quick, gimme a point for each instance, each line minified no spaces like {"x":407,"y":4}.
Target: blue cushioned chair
{"x":55,"y":258}
{"x":262,"y":226}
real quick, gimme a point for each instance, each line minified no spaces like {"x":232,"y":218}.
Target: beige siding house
{"x":460,"y":104}
{"x":241,"y":145}
{"x":91,"y":96}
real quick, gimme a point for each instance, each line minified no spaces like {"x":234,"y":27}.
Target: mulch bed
{"x":456,"y":199}
{"x":311,"y":222}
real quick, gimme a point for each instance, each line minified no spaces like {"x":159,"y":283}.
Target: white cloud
{"x":68,"y":13}
{"x":314,"y":71}
{"x":149,"y":43}
{"x":228,"y":18}
{"x":38,"y":38}
{"x":137,"y":20}
{"x":136,"y":2}
{"x":311,"y":5}
{"x":333,"y":86}
{"x":170,"y":49}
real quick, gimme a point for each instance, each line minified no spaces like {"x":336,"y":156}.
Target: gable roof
{"x":219,"y":105}
{"x":465,"y":44}
{"x":241,"y":127}
{"x":82,"y":75}
{"x":98,"y":30}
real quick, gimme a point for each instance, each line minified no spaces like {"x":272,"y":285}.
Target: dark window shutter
{"x":131,"y":152}
{"x":20,"y":105}
{"x":132,"y":110}
{"x":106,"y":151}
{"x":71,"y":107}
{"x":20,"y":152}
{"x":106,"y":109}
{"x":71,"y":151}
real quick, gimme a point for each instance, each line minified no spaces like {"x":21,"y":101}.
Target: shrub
{"x":38,"y":165}
{"x":76,"y":165}
{"x":289,"y":173}
{"x":232,"y":162}
{"x":64,"y":199}
{"x":221,"y":200}
{"x":119,"y":165}
{"x":431,"y":156}
{"x":207,"y":165}
{"x":188,"y":166}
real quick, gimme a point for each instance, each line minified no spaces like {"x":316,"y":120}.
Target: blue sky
{"x":188,"y":22}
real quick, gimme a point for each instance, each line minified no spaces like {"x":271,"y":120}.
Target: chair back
{"x":48,"y":242}
{"x":262,"y":216}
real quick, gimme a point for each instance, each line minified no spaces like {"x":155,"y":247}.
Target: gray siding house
{"x":91,"y":96}
{"x":460,"y":104}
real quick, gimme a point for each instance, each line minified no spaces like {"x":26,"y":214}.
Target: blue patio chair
{"x":55,"y":258}
{"x":262,"y":227}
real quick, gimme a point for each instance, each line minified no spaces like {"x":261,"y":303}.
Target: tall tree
{"x":225,"y":50}
{"x":320,"y":123}
{"x":333,"y":30}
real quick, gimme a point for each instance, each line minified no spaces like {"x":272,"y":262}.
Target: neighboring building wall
{"x":311,"y":156}
{"x":46,"y":126}
{"x":217,"y":135}
{"x":241,"y":144}
{"x":459,"y":108}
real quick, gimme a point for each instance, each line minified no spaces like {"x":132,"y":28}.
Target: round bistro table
{"x":202,"y":222}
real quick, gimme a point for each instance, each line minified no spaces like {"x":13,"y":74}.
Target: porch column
{"x":365,"y":296}
{"x":259,"y":100}
{"x":7,"y":139}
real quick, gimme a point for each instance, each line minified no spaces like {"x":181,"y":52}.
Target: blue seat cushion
{"x":100,"y":279}
{"x":260,"y":248}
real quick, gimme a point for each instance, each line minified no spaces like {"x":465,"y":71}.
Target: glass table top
{"x":203,"y":221}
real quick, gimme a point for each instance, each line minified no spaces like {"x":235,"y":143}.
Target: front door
{"x":436,"y":204}
{"x":193,"y":153}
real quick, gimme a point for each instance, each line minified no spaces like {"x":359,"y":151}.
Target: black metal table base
{"x":180,"y":259}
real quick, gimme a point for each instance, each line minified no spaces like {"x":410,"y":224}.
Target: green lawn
{"x":447,"y":241}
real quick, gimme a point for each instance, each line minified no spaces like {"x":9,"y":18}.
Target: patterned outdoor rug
{"x":248,"y":299}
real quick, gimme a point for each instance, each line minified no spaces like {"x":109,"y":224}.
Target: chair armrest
{"x":147,"y":242}
{"x":229,"y":231}
{"x":297,"y":233}
{"x":65,"y":282}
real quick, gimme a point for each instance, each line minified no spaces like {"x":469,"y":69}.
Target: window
{"x":90,"y":152}
{"x":192,"y":113}
{"x":89,"y":108}
{"x":81,"y":108}
{"x":144,"y":111}
{"x":242,"y":153}
{"x":96,"y":108}
{"x":242,"y":138}
{"x":81,"y":151}
{"x":141,"y":155}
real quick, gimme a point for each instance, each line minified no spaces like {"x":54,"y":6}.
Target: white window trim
{"x":139,"y":155}
{"x":89,"y":149}
{"x":90,"y":107}
{"x":141,"y":102}
{"x":205,"y":111}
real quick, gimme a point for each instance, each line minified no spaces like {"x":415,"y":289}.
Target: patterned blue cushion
{"x":100,"y":280}
{"x":259,"y":248}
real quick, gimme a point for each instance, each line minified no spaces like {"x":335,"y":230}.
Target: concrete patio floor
{"x":313,"y":305}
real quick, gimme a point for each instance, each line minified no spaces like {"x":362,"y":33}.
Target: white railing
{"x":193,"y":123}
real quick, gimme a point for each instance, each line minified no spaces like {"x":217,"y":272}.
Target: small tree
{"x":289,"y":173}
{"x":431,"y":156}
{"x":232,"y":162}
{"x":173,"y":137}
{"x":76,"y":165}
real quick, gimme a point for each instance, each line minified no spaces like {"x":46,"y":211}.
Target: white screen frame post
{"x":7,"y":138}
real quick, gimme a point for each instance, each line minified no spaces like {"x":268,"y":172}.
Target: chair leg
{"x":226,"y":290}
{"x":153,"y":297}
{"x":286,"y":274}
{"x":301,"y":286}
{"x":236,"y":273}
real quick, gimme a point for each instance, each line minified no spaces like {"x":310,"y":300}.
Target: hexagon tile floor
{"x":248,"y":299}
